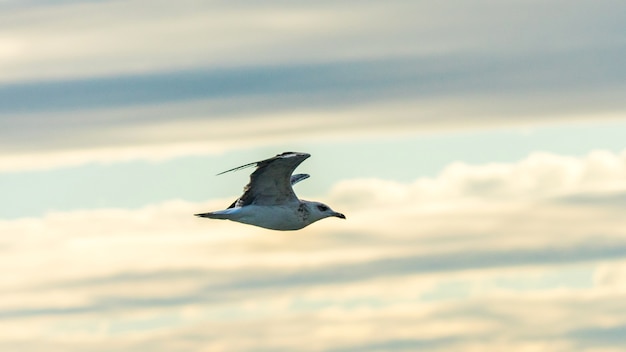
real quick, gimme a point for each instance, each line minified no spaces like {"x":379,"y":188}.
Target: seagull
{"x":269,"y":201}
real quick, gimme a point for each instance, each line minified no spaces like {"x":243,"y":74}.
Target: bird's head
{"x":319,"y":211}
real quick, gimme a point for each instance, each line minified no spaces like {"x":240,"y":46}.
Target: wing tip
{"x":281,"y":155}
{"x":292,"y":154}
{"x":238,"y":168}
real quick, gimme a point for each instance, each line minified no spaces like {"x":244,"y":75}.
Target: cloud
{"x":540,"y":176}
{"x":68,"y":39}
{"x":226,"y":70}
{"x":461,"y":263}
{"x":466,"y":259}
{"x":148,"y":135}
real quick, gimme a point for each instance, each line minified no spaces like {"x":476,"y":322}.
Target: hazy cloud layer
{"x":74,"y":38}
{"x":102,"y":80}
{"x":465,"y":259}
{"x":518,"y":256}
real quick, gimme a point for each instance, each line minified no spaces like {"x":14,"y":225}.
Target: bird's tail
{"x":220,"y":214}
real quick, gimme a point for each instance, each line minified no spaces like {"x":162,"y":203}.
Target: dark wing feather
{"x":294,"y":179}
{"x":297,"y":178}
{"x":270,"y":183}
{"x":239,"y":167}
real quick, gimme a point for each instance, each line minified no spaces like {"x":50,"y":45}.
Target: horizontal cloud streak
{"x":344,"y":83}
{"x":259,"y":283}
{"x":490,"y":66}
{"x":99,"y":81}
{"x":140,"y":37}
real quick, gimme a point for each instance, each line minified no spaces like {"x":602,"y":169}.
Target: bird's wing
{"x":270,"y":183}
{"x":294,"y":179}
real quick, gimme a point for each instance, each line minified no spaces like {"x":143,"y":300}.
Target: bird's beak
{"x":339,"y":215}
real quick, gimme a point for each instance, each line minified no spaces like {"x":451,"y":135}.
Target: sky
{"x":476,"y":148}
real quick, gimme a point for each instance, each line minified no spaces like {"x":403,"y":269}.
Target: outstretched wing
{"x":270,"y":183}
{"x":294,"y":179}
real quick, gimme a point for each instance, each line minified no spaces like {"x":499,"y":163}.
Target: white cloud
{"x":95,"y":38}
{"x":539,"y":176}
{"x":467,"y":266}
{"x":110,"y":38}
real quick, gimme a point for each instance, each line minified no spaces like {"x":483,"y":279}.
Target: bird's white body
{"x":269,"y":201}
{"x":274,"y":217}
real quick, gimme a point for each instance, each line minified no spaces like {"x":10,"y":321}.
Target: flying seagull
{"x":269,"y":200}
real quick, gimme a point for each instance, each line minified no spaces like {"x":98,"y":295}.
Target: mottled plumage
{"x":268,"y":199}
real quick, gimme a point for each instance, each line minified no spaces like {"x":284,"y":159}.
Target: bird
{"x":269,"y":201}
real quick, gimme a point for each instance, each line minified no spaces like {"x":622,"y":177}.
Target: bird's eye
{"x":322,"y":207}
